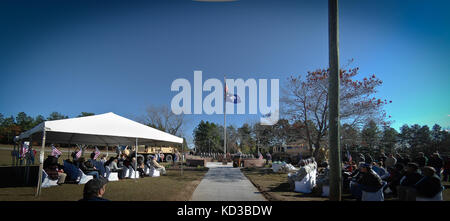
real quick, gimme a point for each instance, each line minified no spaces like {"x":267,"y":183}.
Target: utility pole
{"x":333,"y":96}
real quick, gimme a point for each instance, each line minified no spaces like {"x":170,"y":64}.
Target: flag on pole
{"x":24,"y":150}
{"x":349,"y":156}
{"x":97,"y":153}
{"x":55,"y":152}
{"x":232,"y":98}
{"x":78,"y":155}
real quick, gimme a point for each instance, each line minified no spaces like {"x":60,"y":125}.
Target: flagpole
{"x":224,"y":122}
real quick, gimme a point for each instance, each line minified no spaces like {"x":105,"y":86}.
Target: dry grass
{"x":172,"y":187}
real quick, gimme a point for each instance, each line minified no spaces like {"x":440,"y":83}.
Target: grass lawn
{"x":172,"y":187}
{"x":276,"y":188}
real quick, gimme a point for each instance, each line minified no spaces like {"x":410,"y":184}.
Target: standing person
{"x":390,"y":161}
{"x":94,"y":190}
{"x":437,"y":163}
{"x":421,"y":160}
{"x":162,"y":157}
{"x":268,"y":157}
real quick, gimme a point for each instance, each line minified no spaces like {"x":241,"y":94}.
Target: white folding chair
{"x":154,"y":172}
{"x":133,"y":174}
{"x":48,"y":182}
{"x":326,"y":191}
{"x":304,"y":185}
{"x":126,"y":172}
{"x":374,"y":196}
{"x":147,"y":170}
{"x":111,"y":176}
{"x":84,"y":178}
{"x":437,"y":197}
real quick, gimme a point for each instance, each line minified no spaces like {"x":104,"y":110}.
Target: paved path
{"x":225,"y":183}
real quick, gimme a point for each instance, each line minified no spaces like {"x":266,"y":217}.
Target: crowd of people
{"x":100,"y":166}
{"x":404,"y":177}
{"x":370,"y":178}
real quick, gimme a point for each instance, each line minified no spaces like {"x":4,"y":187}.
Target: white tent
{"x":103,"y":129}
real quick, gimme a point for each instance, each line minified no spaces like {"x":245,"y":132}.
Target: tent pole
{"x":14,"y":155}
{"x":182,"y":157}
{"x":41,"y":166}
{"x":68,"y":152}
{"x":135,"y":162}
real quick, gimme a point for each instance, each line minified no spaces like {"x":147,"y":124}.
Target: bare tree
{"x":162,"y":118}
{"x":306,"y":100}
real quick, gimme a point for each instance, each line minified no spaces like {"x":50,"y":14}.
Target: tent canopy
{"x":103,"y":129}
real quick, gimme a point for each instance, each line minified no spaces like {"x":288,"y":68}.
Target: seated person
{"x":53,"y":170}
{"x":103,"y":158}
{"x":94,"y":190}
{"x":430,"y":184}
{"x":121,"y":160}
{"x":299,"y":175}
{"x":406,"y":189}
{"x":140,"y":166}
{"x":395,"y":175}
{"x":157,"y":166}
{"x":368,"y":181}
{"x":88,"y":168}
{"x":112,"y":165}
{"x":380,"y":170}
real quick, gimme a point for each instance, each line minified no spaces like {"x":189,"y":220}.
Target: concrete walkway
{"x":225,"y":183}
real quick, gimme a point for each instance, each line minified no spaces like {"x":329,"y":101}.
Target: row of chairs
{"x":82,"y":178}
{"x":129,"y":172}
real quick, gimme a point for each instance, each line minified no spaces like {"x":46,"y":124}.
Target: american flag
{"x":55,"y":152}
{"x":97,"y":153}
{"x":349,"y":156}
{"x":78,"y":155}
{"x":24,"y":150}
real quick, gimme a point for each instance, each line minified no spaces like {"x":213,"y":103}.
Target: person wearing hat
{"x":369,"y":180}
{"x":406,"y":189}
{"x":94,"y":190}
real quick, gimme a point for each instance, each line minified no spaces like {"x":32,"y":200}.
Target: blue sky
{"x":122,"y":56}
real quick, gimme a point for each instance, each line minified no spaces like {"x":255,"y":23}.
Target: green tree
{"x":56,"y":116}
{"x":24,"y":121}
{"x":85,"y":114}
{"x":39,"y":119}
{"x":350,"y":136}
{"x":207,"y":137}
{"x":306,"y":99}
{"x":246,"y":142}
{"x":370,"y":135}
{"x":9,"y":129}
{"x":389,"y":138}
